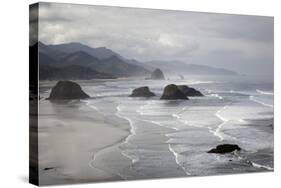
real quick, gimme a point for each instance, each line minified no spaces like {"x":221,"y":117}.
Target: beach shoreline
{"x":112,"y":137}
{"x":69,"y":137}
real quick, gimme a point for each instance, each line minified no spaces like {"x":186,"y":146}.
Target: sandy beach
{"x":69,"y":136}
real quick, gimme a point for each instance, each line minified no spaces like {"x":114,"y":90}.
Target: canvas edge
{"x":33,"y":94}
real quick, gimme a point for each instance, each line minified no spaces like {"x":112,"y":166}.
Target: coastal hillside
{"x":105,"y":63}
{"x":64,"y":57}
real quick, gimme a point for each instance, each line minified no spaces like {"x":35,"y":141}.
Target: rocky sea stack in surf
{"x":157,"y":74}
{"x":142,"y":92}
{"x":225,"y":148}
{"x":67,"y":90}
{"x":172,"y":92}
{"x":189,"y":91}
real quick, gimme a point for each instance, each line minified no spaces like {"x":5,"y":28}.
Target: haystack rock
{"x":157,"y":74}
{"x":172,"y":92}
{"x":142,"y":92}
{"x":225,"y":148}
{"x":189,"y":91}
{"x":67,"y":90}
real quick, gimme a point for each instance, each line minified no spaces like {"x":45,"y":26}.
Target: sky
{"x":241,"y":43}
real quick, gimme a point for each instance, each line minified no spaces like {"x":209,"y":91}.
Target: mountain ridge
{"x":62,"y":56}
{"x":105,"y":61}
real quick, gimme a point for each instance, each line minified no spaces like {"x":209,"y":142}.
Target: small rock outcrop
{"x":172,"y":92}
{"x":157,"y":74}
{"x":225,"y":148}
{"x":189,"y":91}
{"x":142,"y":92}
{"x":67,"y":90}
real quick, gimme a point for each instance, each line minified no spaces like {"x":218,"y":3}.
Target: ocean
{"x":171,"y":138}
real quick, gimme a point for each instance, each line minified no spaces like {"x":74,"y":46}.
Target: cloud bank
{"x":239,"y":43}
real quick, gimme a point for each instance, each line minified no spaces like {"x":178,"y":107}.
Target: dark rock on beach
{"x":67,"y":90}
{"x":142,"y":92}
{"x":157,"y":74}
{"x":49,"y":168}
{"x":225,"y":148}
{"x":189,"y":91}
{"x":172,"y":92}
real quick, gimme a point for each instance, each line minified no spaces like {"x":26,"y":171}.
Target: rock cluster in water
{"x":172,"y":92}
{"x":157,"y":74}
{"x":189,"y":91}
{"x":142,"y":92}
{"x":67,"y":90}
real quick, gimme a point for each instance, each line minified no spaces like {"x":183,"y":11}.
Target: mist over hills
{"x":78,"y":61}
{"x":100,"y":53}
{"x":179,"y":67}
{"x":70,"y":61}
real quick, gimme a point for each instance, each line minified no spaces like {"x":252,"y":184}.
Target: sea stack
{"x":225,"y":148}
{"x":189,"y":91}
{"x":67,"y":90}
{"x":157,"y":74}
{"x":172,"y":92}
{"x":142,"y":92}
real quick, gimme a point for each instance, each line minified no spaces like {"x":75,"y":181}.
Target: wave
{"x":218,"y":132}
{"x":261,"y":166}
{"x":161,"y":125}
{"x":133,"y":158}
{"x":90,"y":104}
{"x":256,"y":165}
{"x":216,"y":95}
{"x":146,"y":110}
{"x":175,"y":115}
{"x":252,"y":98}
{"x":178,"y":115}
{"x":196,"y":82}
{"x":119,"y":143}
{"x":91,"y":163}
{"x":264,"y":92}
{"x":132,"y":129}
{"x":177,"y":159}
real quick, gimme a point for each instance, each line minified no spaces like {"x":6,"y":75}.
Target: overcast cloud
{"x":239,"y":43}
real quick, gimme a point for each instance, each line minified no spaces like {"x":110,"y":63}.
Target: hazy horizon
{"x":236,"y":42}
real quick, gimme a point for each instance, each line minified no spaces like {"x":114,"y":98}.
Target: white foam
{"x":242,"y":121}
{"x":176,"y":116}
{"x":216,"y":95}
{"x":252,"y":163}
{"x":263,"y":92}
{"x":132,"y":130}
{"x":261,"y":166}
{"x":160,"y":124}
{"x":134,"y":159}
{"x":196,"y":82}
{"x":218,"y":132}
{"x":252,"y":98}
{"x":92,"y":106}
{"x":177,"y":159}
